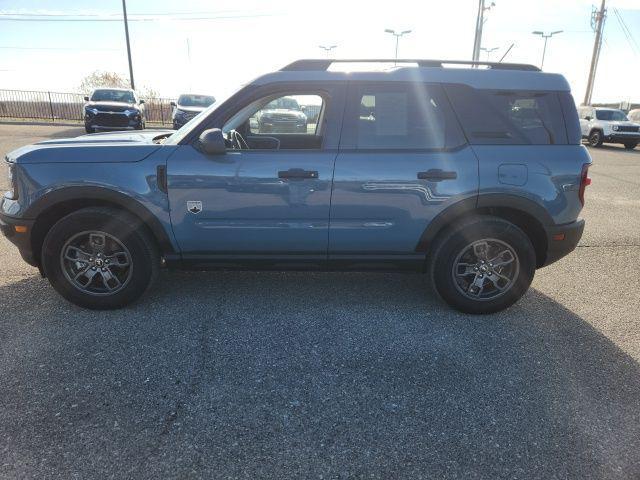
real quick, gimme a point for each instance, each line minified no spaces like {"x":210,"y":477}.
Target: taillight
{"x":584,"y":181}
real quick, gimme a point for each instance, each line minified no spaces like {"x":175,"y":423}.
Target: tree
{"x":99,"y":79}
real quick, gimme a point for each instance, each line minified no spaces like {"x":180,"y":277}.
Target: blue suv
{"x":474,"y":175}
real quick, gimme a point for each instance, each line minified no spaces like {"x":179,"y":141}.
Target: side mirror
{"x":86,"y":98}
{"x":303,"y":108}
{"x":141,"y":102}
{"x":173,"y":104}
{"x":588,"y":118}
{"x":212,"y":142}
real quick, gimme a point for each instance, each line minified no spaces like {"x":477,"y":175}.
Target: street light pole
{"x":397,"y":35}
{"x":327,"y":48}
{"x":489,"y":51}
{"x":546,"y":37}
{"x":126,"y":34}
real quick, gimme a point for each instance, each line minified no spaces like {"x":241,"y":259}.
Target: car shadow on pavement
{"x":299,"y":375}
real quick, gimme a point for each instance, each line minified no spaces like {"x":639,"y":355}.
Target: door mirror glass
{"x":141,"y":102}
{"x":86,"y":98}
{"x":588,"y":118}
{"x":212,"y":142}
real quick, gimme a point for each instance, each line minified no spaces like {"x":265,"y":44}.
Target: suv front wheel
{"x":482,"y":265}
{"x":100,"y":258}
{"x":595,"y":138}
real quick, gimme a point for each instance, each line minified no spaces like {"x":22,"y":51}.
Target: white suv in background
{"x":608,"y":125}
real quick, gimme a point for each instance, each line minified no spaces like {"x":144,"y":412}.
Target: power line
{"x":10,"y":47}
{"x":119,"y":18}
{"x":627,"y":33}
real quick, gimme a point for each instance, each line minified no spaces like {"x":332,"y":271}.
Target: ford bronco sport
{"x":475,"y":176}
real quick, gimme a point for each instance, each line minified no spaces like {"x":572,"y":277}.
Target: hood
{"x":623,"y":123}
{"x":283,"y":112}
{"x":107,"y":105}
{"x":190,"y":109}
{"x":107,"y":147}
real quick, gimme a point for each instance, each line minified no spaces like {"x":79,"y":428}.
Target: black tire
{"x":596,"y":138}
{"x":88,"y":129}
{"x":118,"y":225}
{"x":450,"y":245}
{"x":630,"y":145}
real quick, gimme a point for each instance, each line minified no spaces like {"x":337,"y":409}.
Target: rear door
{"x":402,"y":160}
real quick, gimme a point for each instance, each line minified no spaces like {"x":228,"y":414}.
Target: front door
{"x":403,"y":159}
{"x":267,"y":202}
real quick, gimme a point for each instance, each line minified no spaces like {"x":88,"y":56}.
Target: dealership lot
{"x":331,"y":375}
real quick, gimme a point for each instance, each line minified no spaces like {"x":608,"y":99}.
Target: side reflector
{"x":558,"y":237}
{"x":20,"y":229}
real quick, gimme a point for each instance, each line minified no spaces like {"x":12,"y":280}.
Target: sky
{"x":213,"y":47}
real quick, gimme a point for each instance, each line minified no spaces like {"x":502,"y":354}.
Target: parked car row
{"x":121,"y":109}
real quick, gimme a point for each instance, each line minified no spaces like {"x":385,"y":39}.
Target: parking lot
{"x":331,"y":375}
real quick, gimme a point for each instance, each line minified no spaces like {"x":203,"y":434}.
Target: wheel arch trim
{"x":475,"y":205}
{"x":56,"y":198}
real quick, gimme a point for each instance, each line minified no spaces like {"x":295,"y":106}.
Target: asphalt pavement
{"x":332,"y":375}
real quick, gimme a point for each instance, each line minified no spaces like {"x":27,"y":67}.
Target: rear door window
{"x":399,"y":116}
{"x":508,"y":117}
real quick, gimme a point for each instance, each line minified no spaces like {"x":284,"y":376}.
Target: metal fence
{"x":55,"y":106}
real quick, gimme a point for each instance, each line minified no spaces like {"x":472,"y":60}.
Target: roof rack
{"x":324,"y":64}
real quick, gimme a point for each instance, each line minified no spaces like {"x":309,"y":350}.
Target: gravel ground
{"x":332,"y":375}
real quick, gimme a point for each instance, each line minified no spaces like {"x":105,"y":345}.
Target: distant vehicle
{"x":475,"y":177}
{"x":113,"y":109}
{"x":188,"y":106}
{"x":608,"y":125}
{"x":283,"y":115}
{"x":634,"y":115}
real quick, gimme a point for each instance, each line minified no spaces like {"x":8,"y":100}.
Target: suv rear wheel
{"x":100,"y":258}
{"x":595,"y":138}
{"x":483,"y":265}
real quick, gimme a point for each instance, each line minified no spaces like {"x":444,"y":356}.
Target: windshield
{"x":195,"y":100}
{"x":611,"y":115}
{"x":112,"y":96}
{"x":283,"y":103}
{"x":193,"y":123}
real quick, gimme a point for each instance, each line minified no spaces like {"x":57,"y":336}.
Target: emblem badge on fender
{"x":194,"y":206}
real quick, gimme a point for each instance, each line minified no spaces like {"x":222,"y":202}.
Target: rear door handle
{"x":437,"y":175}
{"x":297,"y":174}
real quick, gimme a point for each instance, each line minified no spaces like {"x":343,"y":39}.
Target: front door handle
{"x":437,"y":175}
{"x":297,"y":174}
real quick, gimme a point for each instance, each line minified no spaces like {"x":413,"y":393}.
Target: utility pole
{"x":477,"y":39}
{"x":597,"y":21}
{"x":126,"y":33}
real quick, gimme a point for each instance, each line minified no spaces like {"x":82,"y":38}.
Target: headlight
{"x":12,"y":194}
{"x":93,"y":111}
{"x":615,"y":127}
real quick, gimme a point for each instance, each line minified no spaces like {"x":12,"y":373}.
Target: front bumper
{"x":562,"y":240}
{"x":22,"y":240}
{"x":622,"y":138}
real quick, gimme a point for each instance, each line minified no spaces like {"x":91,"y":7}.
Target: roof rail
{"x":324,"y":64}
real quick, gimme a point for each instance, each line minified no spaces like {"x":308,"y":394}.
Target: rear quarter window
{"x":509,"y":117}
